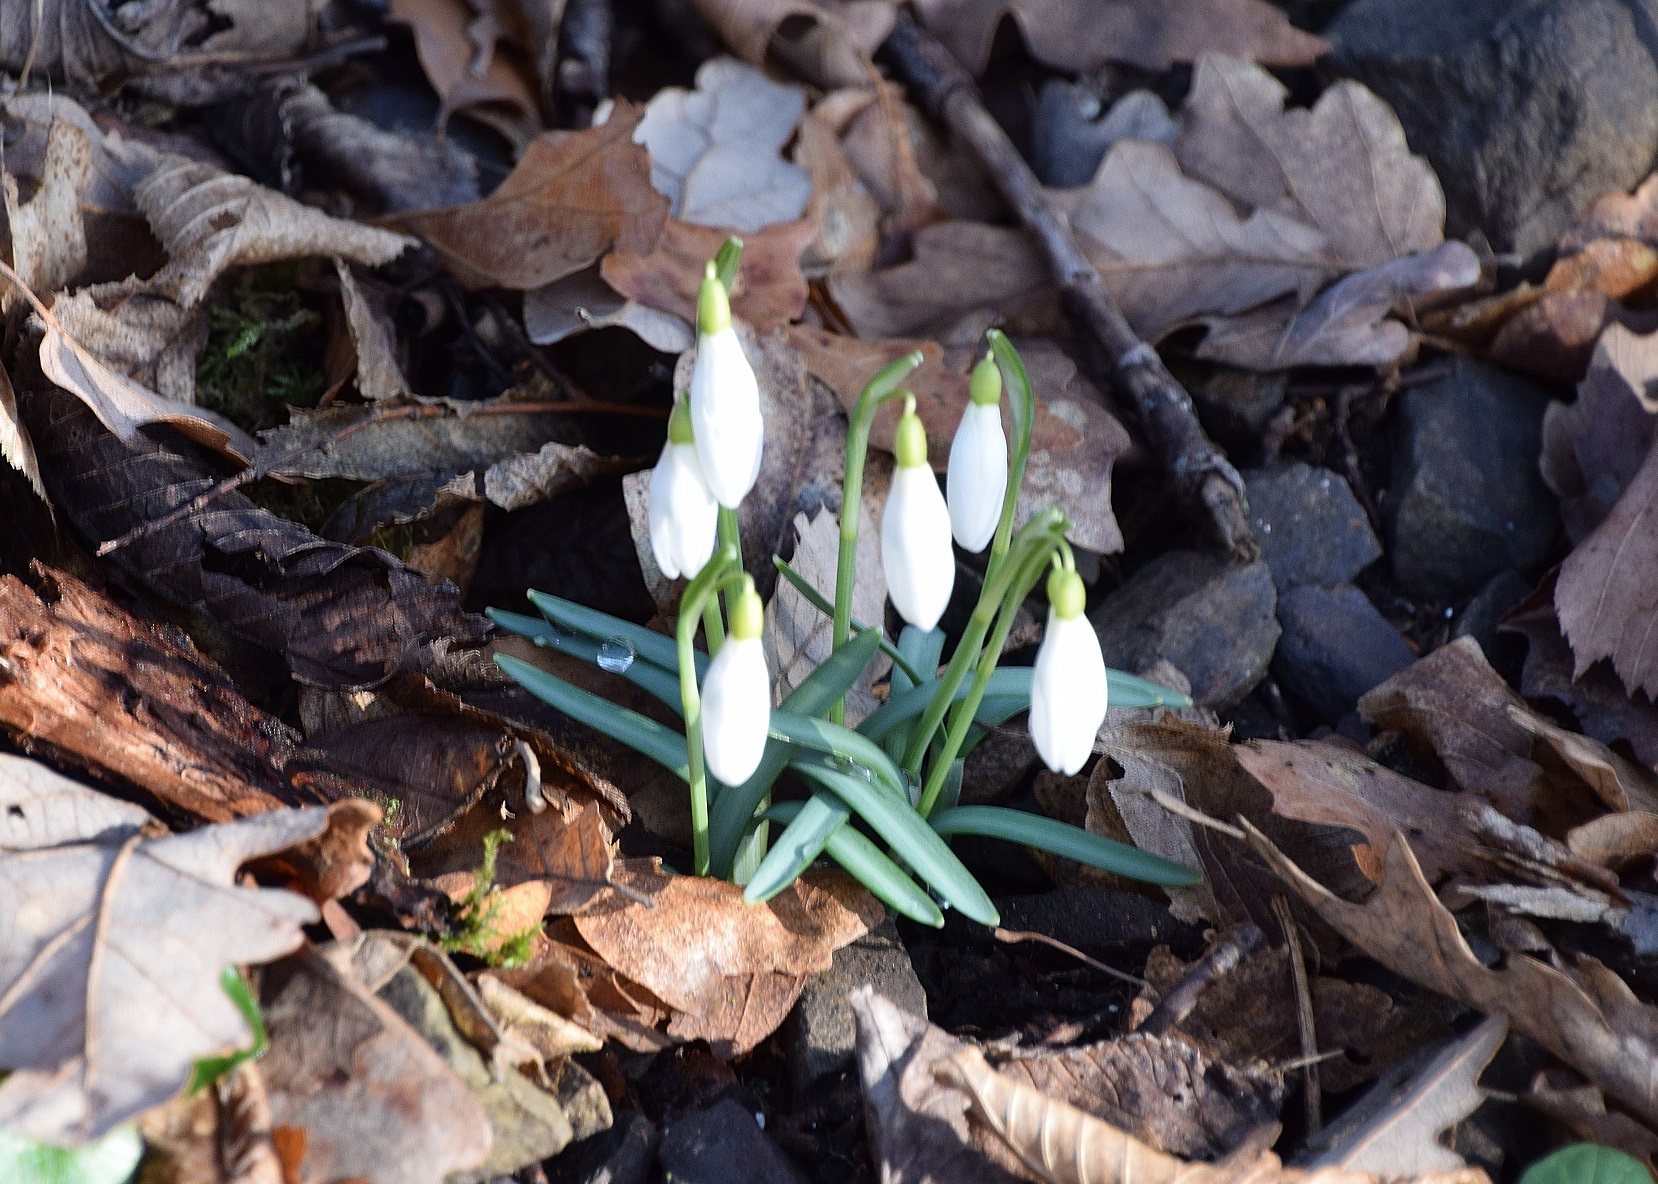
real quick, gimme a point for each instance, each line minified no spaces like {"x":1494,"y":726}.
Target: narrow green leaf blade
{"x":820,"y":735}
{"x":647,"y":676}
{"x":646,"y":643}
{"x":641,"y":733}
{"x":1047,"y":834}
{"x":726,"y":260}
{"x":904,"y":706}
{"x":910,"y":836}
{"x":801,"y":842}
{"x":835,"y":676}
{"x":732,"y":810}
{"x":1129,"y":690}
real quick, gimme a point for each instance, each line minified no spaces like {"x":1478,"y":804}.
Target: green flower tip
{"x":713,"y":304}
{"x":1066,"y":593}
{"x":909,"y":442}
{"x":679,"y":422}
{"x":748,"y":615}
{"x":985,"y":387}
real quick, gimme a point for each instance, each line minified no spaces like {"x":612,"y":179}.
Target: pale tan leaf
{"x":138,"y":333}
{"x":1400,"y":1136}
{"x":378,"y":376}
{"x":209,"y":220}
{"x":43,"y":808}
{"x":798,"y":636}
{"x":549,"y":1033}
{"x":48,"y":239}
{"x":1614,"y":839}
{"x":1616,"y":781}
{"x":110,"y":966}
{"x":1342,"y":167}
{"x":715,"y":151}
{"x":1588,"y":1019}
{"x":1151,"y":34}
{"x":829,"y":42}
{"x":572,"y":197}
{"x":355,"y":1091}
{"x":584,"y":301}
{"x":15,"y":444}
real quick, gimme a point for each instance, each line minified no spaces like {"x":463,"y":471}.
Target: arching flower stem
{"x":881,"y":388}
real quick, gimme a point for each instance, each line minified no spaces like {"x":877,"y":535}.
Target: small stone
{"x":1213,"y":619}
{"x":1528,"y":110}
{"x":585,"y":1103}
{"x":723,"y":1145}
{"x":1335,"y":647}
{"x":1489,"y":606}
{"x":821,"y":1032}
{"x":529,"y":1125}
{"x":624,"y":1154}
{"x":1310,"y":527}
{"x":1467,"y":499}
{"x":1235,"y":406}
{"x":996,"y":767}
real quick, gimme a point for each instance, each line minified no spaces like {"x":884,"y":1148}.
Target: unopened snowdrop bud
{"x":736,"y":695}
{"x":1068,"y":687}
{"x":977,"y":478}
{"x":915,"y":530}
{"x":683,"y":514}
{"x":725,"y":400}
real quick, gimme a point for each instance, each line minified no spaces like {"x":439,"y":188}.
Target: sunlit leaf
{"x":1047,"y":834}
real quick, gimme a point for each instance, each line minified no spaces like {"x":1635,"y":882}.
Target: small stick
{"x":1200,"y":473}
{"x":1013,"y":936}
{"x":1311,"y":1092}
{"x":1217,"y":963}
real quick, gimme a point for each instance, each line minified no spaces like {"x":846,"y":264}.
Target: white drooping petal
{"x":736,"y":709}
{"x":683,"y":514}
{"x":977,"y":478}
{"x":915,"y":546}
{"x":725,"y":416}
{"x":1068,"y":693}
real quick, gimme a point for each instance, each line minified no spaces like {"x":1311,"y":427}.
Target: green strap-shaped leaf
{"x":641,"y":733}
{"x":801,"y":842}
{"x":733,"y":809}
{"x":869,"y":865}
{"x":1130,"y":690}
{"x":903,"y":706}
{"x":907,"y":833}
{"x":646,"y":643}
{"x":647,"y":676}
{"x":818,"y":601}
{"x":820,"y":735}
{"x":1046,"y":834}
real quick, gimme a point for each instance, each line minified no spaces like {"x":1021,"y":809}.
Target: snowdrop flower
{"x":1068,"y":688}
{"x":977,"y":477}
{"x":683,"y":514}
{"x":736,"y":695}
{"x":725,"y":400}
{"x":915,"y":530}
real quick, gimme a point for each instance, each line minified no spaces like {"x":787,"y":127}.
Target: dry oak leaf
{"x":1581,"y":1109}
{"x":495,"y":90}
{"x":829,"y":42}
{"x":731,"y":969}
{"x":355,"y":1093}
{"x":1588,"y":1018}
{"x":1079,"y":35}
{"x":1075,"y":441}
{"x":769,"y":291}
{"x":1607,"y":593}
{"x":110,"y":964}
{"x":1335,"y":786}
{"x":1593,"y":448}
{"x":572,"y":197}
{"x":208,"y":220}
{"x":1063,"y":1145}
{"x":715,"y":151}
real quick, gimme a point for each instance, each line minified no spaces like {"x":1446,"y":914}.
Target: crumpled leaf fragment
{"x":112,"y":959}
{"x":828,"y":42}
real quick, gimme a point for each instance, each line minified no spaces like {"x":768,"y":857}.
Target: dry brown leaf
{"x":549,"y":1033}
{"x":354,"y":1090}
{"x":1555,"y":335}
{"x":209,"y":220}
{"x":1618,"y":215}
{"x":1589,"y":1018}
{"x":138,"y":333}
{"x":333,"y":864}
{"x":1396,"y":1134}
{"x":1074,"y":441}
{"x":1335,"y":786}
{"x":1607,"y":592}
{"x":15,"y":445}
{"x":584,"y":301}
{"x":715,"y":151}
{"x":798,"y":637}
{"x":769,"y":291}
{"x":1063,"y":1145}
{"x":565,"y":976}
{"x":829,"y":42}
{"x":378,"y":376}
{"x":1151,"y":34}
{"x":1616,"y":782}
{"x":1613,"y":840}
{"x":1343,"y":167}
{"x":731,"y":969}
{"x":571,"y":197}
{"x":1453,"y":707}
{"x":48,"y":239}
{"x":112,"y":958}
{"x":496,"y":91}
{"x":1581,"y":1108}
{"x":842,"y":210}
{"x":1593,"y":448}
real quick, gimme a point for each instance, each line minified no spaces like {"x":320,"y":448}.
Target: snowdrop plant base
{"x":882,"y":800}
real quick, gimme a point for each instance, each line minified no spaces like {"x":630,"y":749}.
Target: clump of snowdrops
{"x":900,"y":770}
